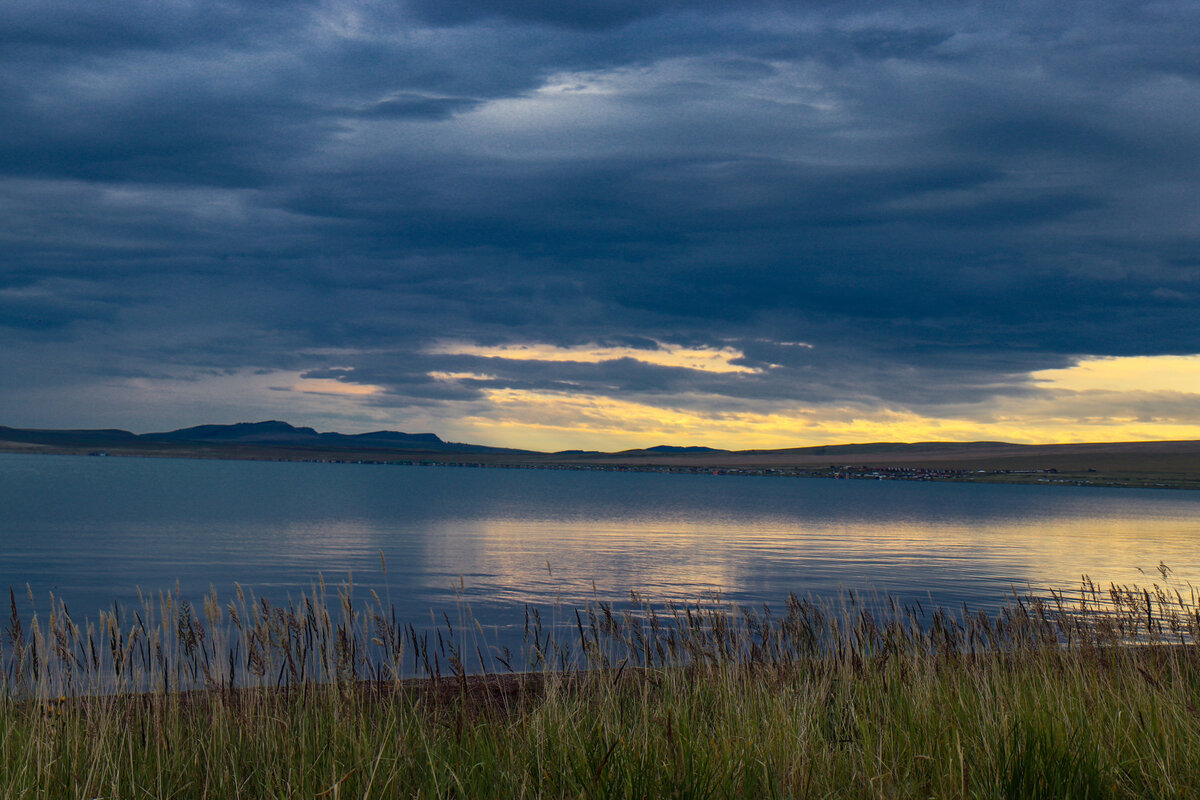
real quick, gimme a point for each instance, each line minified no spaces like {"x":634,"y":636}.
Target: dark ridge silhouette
{"x":1151,"y":464}
{"x":269,"y":433}
{"x":272,"y":431}
{"x":65,"y":437}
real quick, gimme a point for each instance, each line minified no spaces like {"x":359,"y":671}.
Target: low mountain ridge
{"x":268,"y":433}
{"x":64,"y":436}
{"x":275,"y":439}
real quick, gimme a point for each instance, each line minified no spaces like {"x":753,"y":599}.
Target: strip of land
{"x":1173,"y":465}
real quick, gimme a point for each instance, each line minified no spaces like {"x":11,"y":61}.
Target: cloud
{"x":570,"y":13}
{"x":942,"y":202}
{"x":702,"y":359}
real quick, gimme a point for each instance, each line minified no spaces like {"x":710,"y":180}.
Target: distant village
{"x":833,"y":471}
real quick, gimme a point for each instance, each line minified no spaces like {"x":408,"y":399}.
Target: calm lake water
{"x":94,"y":530}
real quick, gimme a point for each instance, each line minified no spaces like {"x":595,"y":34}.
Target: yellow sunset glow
{"x":1099,"y":399}
{"x":552,"y":420}
{"x":1175,"y":374}
{"x":438,"y":375}
{"x":331,"y":386}
{"x":704,"y":359}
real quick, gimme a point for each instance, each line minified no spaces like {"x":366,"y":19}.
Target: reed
{"x":1092,"y":693}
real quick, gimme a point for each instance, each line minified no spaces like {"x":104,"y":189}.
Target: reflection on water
{"x":93,"y":530}
{"x":764,"y":558}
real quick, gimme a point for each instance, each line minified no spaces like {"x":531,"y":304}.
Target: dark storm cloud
{"x":931,"y":195}
{"x":122,"y":25}
{"x":413,"y":105}
{"x":570,"y":13}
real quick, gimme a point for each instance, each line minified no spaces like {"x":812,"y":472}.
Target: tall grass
{"x":1095,"y":693}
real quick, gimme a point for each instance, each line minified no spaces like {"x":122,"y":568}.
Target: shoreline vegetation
{"x":1088,"y":693}
{"x":1160,"y":465}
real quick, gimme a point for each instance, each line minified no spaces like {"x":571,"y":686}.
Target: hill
{"x":242,"y":439}
{"x":1143,"y":464}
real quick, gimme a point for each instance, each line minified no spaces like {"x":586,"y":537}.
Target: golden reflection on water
{"x":507,"y":538}
{"x":541,"y":560}
{"x":574,"y":560}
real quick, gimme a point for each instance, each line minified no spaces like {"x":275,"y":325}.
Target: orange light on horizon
{"x":1098,"y":399}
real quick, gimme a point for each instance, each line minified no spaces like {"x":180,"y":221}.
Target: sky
{"x":603,"y":225}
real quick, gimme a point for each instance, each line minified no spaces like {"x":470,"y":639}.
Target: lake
{"x":94,"y":530}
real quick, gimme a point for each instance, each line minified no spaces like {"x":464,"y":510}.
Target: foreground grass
{"x":1055,"y":700}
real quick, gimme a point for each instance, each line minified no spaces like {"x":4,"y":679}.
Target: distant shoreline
{"x":1154,"y":465}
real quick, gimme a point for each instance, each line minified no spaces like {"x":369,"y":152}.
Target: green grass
{"x":1094,"y":696}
